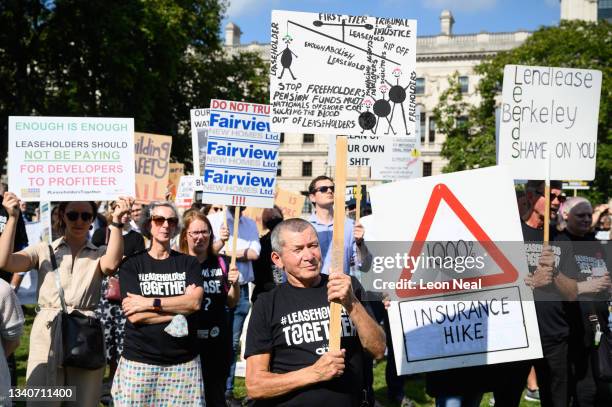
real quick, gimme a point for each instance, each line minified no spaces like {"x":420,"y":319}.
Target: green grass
{"x":414,"y":388}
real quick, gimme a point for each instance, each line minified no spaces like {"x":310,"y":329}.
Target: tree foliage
{"x":470,"y":142}
{"x":151,"y":60}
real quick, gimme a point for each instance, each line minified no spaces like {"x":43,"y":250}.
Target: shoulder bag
{"x":82,"y":335}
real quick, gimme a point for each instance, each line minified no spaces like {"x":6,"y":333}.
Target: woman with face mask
{"x":109,"y":308}
{"x":81,"y":266}
{"x":161,"y":291}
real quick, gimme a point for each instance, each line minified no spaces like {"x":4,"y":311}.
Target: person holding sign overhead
{"x":79,"y":276}
{"x":288,"y":362}
{"x":356,"y":253}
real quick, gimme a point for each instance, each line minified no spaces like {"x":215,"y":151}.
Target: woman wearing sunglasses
{"x":81,"y":266}
{"x":221,"y":288}
{"x":161,"y":290}
{"x":109,"y":308}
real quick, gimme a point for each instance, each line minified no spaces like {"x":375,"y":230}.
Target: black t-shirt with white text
{"x":588,"y":258}
{"x":132,"y":241}
{"x":21,"y":237}
{"x":213,"y":331}
{"x":143,"y":275}
{"x":554,"y":314}
{"x":292,"y":324}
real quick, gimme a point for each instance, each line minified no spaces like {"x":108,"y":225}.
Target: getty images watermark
{"x":402,"y":270}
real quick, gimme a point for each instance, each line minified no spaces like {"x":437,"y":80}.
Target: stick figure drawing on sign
{"x":382,"y":108}
{"x":367,"y":119}
{"x":287,"y":57}
{"x":397,"y":95}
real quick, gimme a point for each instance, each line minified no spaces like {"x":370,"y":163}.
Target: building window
{"x":279,"y":168}
{"x":307,"y":169}
{"x":422,"y":127}
{"x":432,"y":130}
{"x":307,"y":208}
{"x":308,"y":139}
{"x":461,"y":120}
{"x":282,"y":138}
{"x":420,"y":86}
{"x":604,"y":11}
{"x":464,"y":83}
{"x":427,"y":169}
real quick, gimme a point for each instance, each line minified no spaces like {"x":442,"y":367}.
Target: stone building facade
{"x":304,"y":156}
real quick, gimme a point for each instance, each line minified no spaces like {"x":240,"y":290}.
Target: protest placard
{"x":576,"y":185}
{"x":70,"y":158}
{"x":549,"y":113}
{"x":341,"y":74}
{"x":185,"y":191}
{"x":177,"y":170}
{"x":199,"y":135}
{"x":390,"y":158}
{"x":45,"y":221}
{"x":241,"y":155}
{"x":152,"y":166}
{"x":473,"y":308}
{"x":290,"y":203}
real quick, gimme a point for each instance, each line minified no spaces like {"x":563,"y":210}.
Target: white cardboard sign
{"x":241,"y":155}
{"x":185,"y":191}
{"x":199,"y":135}
{"x":551,"y":113}
{"x":71,"y":158}
{"x":425,"y":335}
{"x":390,"y":158}
{"x":341,"y":74}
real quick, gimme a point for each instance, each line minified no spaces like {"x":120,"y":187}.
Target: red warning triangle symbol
{"x":509,"y":273}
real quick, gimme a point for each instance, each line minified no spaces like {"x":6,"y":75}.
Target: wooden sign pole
{"x":547,"y":203}
{"x":235,"y":235}
{"x":547,"y":213}
{"x":358,"y":196}
{"x":338,"y":237}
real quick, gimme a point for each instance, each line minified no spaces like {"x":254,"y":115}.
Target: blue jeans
{"x":236,"y":317}
{"x":466,"y":400}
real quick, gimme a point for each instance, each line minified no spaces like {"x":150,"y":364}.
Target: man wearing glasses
{"x":535,"y":190}
{"x":356,"y":254}
{"x":551,"y":288}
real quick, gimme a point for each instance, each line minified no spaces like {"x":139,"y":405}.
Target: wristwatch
{"x":157,"y":304}
{"x":117,"y":225}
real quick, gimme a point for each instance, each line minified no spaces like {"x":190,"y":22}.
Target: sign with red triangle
{"x":509,"y":273}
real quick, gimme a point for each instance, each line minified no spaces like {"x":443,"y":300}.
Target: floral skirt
{"x":141,"y":384}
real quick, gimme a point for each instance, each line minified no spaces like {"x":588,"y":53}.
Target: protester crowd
{"x":165,"y":307}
